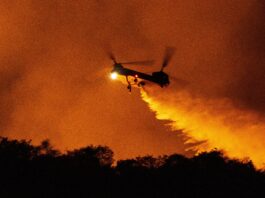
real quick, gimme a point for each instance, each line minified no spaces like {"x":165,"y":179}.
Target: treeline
{"x":42,"y":171}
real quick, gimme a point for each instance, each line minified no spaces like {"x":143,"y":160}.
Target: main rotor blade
{"x":147,"y":62}
{"x":112,"y":57}
{"x":167,"y":57}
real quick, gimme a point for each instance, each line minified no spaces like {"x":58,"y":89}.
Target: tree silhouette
{"x":98,"y":155}
{"x":45,"y":148}
{"x":42,"y":171}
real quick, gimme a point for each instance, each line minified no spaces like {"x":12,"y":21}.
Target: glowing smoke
{"x":216,"y":121}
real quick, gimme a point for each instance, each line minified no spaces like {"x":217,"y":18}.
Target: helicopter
{"x":140,"y":78}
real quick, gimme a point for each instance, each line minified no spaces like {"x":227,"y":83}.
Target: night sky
{"x":54,"y":70}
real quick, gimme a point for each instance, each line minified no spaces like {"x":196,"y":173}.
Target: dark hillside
{"x":41,"y":171}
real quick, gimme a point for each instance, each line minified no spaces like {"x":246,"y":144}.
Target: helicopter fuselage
{"x":160,"y":77}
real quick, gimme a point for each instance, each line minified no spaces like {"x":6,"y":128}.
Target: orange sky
{"x":54,"y":71}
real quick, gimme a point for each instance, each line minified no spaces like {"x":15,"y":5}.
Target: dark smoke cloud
{"x":9,"y":77}
{"x":248,"y":44}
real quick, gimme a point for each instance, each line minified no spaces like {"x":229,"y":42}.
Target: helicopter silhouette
{"x":158,"y":77}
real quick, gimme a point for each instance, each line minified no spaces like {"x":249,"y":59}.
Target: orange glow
{"x":54,"y":74}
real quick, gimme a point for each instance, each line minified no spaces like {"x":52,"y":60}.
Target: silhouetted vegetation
{"x":42,"y":171}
